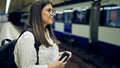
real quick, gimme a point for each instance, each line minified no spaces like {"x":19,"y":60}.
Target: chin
{"x":51,"y":22}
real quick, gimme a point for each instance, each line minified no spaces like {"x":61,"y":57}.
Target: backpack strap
{"x":3,"y":41}
{"x":36,"y":45}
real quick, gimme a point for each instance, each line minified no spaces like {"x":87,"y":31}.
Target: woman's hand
{"x":57,"y":63}
{"x":60,"y":64}
{"x":69,"y":54}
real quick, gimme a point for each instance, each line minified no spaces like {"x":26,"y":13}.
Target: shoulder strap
{"x":36,"y":45}
{"x":3,"y":41}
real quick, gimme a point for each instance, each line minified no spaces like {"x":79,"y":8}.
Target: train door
{"x":68,"y":15}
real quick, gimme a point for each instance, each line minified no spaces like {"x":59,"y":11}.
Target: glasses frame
{"x":52,"y":11}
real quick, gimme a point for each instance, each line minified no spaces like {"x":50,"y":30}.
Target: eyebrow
{"x":49,"y":7}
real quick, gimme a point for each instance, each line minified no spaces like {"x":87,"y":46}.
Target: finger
{"x":60,"y":53}
{"x":69,"y":54}
{"x":64,"y":62}
{"x":64,"y":58}
{"x":58,"y":57}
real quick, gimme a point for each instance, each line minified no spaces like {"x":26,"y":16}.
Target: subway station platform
{"x":8,"y":31}
{"x":81,"y":58}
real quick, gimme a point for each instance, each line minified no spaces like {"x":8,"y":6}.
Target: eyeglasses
{"x":51,"y":11}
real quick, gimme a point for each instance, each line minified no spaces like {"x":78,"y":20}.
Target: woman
{"x":40,"y":20}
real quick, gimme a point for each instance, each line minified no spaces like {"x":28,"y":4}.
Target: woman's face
{"x":47,"y":14}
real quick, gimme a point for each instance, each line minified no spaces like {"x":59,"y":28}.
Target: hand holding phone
{"x":63,"y":55}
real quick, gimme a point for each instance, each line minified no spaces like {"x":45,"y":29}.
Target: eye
{"x":49,"y":10}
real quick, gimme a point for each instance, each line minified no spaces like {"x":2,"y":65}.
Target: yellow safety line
{"x":15,"y":32}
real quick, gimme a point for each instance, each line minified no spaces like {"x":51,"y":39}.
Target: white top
{"x":25,"y":53}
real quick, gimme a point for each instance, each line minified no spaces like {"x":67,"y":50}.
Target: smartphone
{"x":63,"y":55}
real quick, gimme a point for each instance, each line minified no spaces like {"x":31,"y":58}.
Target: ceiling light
{"x":7,"y":6}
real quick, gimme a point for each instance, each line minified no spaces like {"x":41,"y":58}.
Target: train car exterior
{"x":67,"y":27}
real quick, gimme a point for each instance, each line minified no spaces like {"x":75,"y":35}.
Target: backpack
{"x":7,"y":52}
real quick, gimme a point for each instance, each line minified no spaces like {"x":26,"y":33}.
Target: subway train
{"x":72,"y":24}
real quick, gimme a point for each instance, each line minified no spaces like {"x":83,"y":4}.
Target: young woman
{"x":40,"y":20}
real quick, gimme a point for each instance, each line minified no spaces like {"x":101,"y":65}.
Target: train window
{"x":81,"y":16}
{"x":24,"y":18}
{"x":59,"y":16}
{"x":68,"y":15}
{"x":111,"y":16}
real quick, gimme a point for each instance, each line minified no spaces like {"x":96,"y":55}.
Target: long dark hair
{"x":35,"y":21}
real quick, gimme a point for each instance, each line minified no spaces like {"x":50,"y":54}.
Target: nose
{"x":53,"y":14}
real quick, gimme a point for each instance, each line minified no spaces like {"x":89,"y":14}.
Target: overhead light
{"x":7,"y":6}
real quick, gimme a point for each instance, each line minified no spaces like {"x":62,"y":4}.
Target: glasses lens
{"x":51,"y":11}
{"x":54,"y":11}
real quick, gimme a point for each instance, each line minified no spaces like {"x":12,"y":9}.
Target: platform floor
{"x":8,"y":31}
